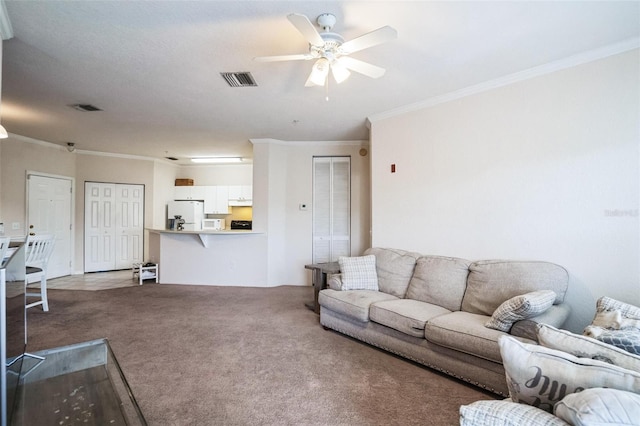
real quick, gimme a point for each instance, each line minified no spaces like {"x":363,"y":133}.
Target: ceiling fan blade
{"x":306,"y":28}
{"x":373,"y":38}
{"x":300,"y":57}
{"x":361,"y":67}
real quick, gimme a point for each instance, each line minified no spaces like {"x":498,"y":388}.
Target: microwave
{"x":213,"y":224}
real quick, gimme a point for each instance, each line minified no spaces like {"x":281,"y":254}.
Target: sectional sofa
{"x":443,"y":312}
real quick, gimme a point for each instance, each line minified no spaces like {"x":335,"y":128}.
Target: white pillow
{"x":505,"y":413}
{"x":519,"y":308}
{"x":358,"y":273}
{"x":586,"y":347}
{"x":599,"y":406}
{"x":541,"y":376}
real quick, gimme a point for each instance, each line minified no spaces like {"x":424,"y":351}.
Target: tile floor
{"x":95,"y":281}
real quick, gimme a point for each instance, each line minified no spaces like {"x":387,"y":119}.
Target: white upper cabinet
{"x":240,"y":195}
{"x":189,"y":193}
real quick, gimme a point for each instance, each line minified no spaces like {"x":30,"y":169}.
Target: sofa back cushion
{"x":491,"y":282}
{"x":440,"y":281}
{"x":394,"y":268}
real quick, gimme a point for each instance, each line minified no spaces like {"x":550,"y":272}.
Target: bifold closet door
{"x":113,"y":226}
{"x":331,"y":208}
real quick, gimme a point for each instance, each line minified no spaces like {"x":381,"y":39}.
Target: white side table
{"x":142,"y":272}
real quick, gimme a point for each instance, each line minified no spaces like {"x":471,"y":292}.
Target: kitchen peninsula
{"x":226,"y":258}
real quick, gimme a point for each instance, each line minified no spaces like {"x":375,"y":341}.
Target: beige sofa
{"x":433,"y":310}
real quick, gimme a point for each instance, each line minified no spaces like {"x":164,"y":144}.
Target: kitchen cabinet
{"x":215,"y":197}
{"x":189,"y":193}
{"x":240,"y":195}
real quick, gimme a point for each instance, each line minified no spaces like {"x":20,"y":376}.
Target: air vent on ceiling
{"x":85,"y":107}
{"x":239,"y":79}
{"x":171,"y":158}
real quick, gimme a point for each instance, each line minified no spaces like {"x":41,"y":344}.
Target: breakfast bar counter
{"x":229,"y":257}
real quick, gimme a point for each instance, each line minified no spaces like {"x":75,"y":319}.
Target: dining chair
{"x":4,"y":246}
{"x":38,"y":251}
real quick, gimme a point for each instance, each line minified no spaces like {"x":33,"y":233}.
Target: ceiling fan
{"x":331,"y":52}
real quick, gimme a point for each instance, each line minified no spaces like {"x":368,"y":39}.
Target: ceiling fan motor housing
{"x":331,"y":47}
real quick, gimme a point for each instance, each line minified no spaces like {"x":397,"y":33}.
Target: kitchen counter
{"x":229,"y":257}
{"x":204,"y":234}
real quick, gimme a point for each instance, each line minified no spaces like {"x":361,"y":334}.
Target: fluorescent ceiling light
{"x":217,"y":160}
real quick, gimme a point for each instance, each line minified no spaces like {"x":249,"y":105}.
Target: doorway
{"x":331,"y":208}
{"x":49,"y":207}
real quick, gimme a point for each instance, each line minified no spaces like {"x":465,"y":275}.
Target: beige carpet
{"x":197,"y":355}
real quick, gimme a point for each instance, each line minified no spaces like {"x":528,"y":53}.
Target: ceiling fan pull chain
{"x":326,"y":88}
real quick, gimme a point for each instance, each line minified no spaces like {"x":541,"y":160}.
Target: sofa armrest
{"x":335,"y":282}
{"x":555,"y":316}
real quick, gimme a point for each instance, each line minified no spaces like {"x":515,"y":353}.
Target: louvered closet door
{"x":331,"y":208}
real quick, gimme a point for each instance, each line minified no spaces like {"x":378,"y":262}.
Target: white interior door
{"x":49,"y":209}
{"x":331,"y":208}
{"x":99,"y":226}
{"x":114,"y":226}
{"x":129,"y":229}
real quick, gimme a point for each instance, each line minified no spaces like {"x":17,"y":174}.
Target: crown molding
{"x":6,"y":30}
{"x":309,"y":143}
{"x":548,"y":68}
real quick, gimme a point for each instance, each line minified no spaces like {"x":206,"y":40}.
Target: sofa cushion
{"x":586,"y":347}
{"x":520,"y":307}
{"x":465,"y":332}
{"x":394,"y":268}
{"x":505,"y":413}
{"x":492,"y":282}
{"x":541,"y":377}
{"x":358,"y":273}
{"x":352,"y":303}
{"x":439,"y":280}
{"x":600,"y":406}
{"x":405,"y":315}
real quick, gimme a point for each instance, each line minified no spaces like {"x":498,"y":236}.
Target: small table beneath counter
{"x":319,"y":280}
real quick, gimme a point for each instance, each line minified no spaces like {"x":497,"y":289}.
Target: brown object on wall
{"x":184,"y":182}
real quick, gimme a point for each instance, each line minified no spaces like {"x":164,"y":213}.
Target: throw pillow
{"x":358,"y":273}
{"x":600,"y":406}
{"x":541,"y":376}
{"x":505,"y":413}
{"x":627,"y":339}
{"x":521,"y":307}
{"x":585,"y":347}
{"x":608,"y":304}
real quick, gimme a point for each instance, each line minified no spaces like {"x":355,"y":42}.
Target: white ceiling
{"x":154,"y":66}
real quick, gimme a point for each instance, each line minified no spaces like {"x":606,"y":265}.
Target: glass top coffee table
{"x":77,"y":384}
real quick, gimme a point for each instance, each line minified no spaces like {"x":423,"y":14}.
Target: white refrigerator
{"x":191,"y":211}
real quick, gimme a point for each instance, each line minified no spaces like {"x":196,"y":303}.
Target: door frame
{"x":72,"y":218}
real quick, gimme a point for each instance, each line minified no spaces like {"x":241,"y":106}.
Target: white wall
{"x":282,"y":181}
{"x":545,"y":169}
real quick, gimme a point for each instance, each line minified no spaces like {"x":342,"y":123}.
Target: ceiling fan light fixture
{"x":319,"y":72}
{"x":340,"y":73}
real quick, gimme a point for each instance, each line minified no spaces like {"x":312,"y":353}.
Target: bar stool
{"x":38,"y":251}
